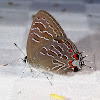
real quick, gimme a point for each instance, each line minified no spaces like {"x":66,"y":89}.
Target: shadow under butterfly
{"x":49,"y":48}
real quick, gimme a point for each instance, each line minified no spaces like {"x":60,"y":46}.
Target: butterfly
{"x":49,"y":48}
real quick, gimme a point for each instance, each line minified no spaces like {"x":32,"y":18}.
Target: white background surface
{"x":81,"y":22}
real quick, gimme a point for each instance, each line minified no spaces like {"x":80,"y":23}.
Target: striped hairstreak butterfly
{"x":49,"y":47}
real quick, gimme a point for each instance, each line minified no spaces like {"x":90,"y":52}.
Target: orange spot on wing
{"x":72,"y":67}
{"x":75,"y":56}
{"x":70,"y":51}
{"x":64,"y":57}
{"x":55,"y":30}
{"x":60,"y":41}
{"x":70,"y":63}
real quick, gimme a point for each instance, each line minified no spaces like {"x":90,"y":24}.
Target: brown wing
{"x":55,"y":55}
{"x":44,"y":27}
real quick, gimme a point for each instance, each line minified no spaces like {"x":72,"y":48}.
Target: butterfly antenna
{"x":13,"y":61}
{"x":19,"y":48}
{"x":21,"y":52}
{"x":47,"y":78}
{"x":24,"y":60}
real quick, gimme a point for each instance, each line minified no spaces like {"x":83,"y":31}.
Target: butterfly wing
{"x":44,"y":27}
{"x":48,"y":45}
{"x":55,"y":55}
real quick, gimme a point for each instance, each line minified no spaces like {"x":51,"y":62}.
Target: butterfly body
{"x":49,"y":47}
